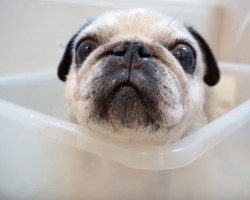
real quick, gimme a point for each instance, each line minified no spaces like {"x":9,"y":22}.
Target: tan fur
{"x":184,"y":94}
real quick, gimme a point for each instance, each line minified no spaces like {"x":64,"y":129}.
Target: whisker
{"x":175,"y":17}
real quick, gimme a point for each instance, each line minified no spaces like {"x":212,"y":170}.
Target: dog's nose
{"x":135,"y":50}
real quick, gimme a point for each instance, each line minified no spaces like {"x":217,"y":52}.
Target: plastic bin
{"x":42,"y":156}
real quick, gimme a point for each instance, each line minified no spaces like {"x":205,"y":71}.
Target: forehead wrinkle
{"x":137,"y":24}
{"x":158,"y":27}
{"x":124,"y":22}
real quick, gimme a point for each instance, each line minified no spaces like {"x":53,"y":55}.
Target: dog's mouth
{"x":129,"y":103}
{"x":125,"y":96}
{"x":126,"y":88}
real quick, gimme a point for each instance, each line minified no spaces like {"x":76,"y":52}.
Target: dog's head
{"x":137,"y":74}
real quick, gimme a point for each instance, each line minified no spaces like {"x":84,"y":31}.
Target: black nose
{"x":137,"y":50}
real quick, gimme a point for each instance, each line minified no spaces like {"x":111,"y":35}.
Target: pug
{"x":138,"y":75}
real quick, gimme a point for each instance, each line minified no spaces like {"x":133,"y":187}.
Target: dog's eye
{"x":186,"y":57}
{"x":84,"y":49}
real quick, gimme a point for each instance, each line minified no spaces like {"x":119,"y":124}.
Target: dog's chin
{"x":126,"y":107}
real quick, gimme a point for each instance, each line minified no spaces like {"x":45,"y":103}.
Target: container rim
{"x":136,"y":156}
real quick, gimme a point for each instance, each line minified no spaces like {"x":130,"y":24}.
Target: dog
{"x":138,"y":75}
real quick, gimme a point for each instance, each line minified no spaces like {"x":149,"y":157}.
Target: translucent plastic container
{"x":42,"y":156}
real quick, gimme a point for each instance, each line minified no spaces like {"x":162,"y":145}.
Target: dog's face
{"x":137,"y":74}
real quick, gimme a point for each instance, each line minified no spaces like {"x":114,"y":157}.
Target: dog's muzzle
{"x":128,"y":86}
{"x":130,"y":66}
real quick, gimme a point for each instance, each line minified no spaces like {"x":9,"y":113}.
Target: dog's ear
{"x":63,"y":68}
{"x":212,"y":73}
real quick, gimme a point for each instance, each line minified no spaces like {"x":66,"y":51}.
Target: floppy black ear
{"x":212,"y":73}
{"x":63,"y":68}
